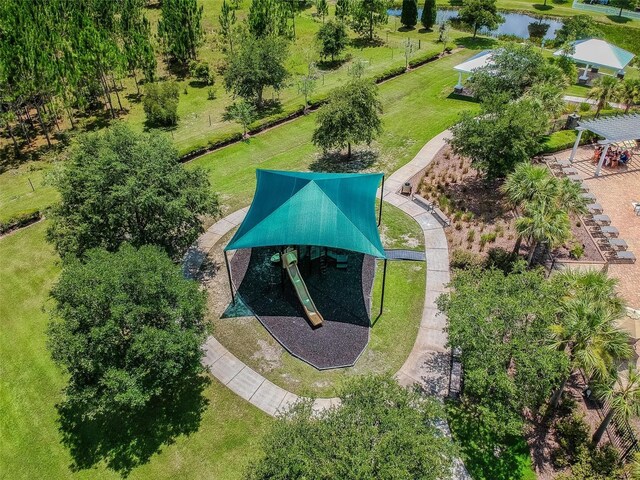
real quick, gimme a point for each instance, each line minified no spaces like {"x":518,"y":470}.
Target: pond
{"x":514,"y":23}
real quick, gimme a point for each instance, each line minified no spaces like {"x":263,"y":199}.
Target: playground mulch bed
{"x":342,"y":296}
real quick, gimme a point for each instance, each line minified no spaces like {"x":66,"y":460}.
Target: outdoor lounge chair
{"x":618,"y":244}
{"x":602,"y":219}
{"x":625,"y":257}
{"x":609,"y":231}
{"x":595,"y":208}
{"x":588,"y":196}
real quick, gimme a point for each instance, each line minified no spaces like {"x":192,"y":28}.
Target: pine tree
{"x":428,"y":18}
{"x":409,"y":17}
{"x":180,"y":28}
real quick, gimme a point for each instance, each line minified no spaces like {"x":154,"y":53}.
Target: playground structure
{"x":316,"y":235}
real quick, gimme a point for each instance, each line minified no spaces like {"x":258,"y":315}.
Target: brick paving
{"x":615,"y":189}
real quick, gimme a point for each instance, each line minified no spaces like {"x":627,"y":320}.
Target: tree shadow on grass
{"x":478,"y":43}
{"x":125,"y":440}
{"x":338,"y":162}
{"x":483,"y":456}
{"x":541,"y":7}
{"x":361,"y":42}
{"x":618,"y":19}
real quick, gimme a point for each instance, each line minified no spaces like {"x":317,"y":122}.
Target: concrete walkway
{"x":428,"y":362}
{"x":590,"y":101}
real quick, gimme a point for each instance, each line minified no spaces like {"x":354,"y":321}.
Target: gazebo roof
{"x":599,"y":53}
{"x":477,"y":61}
{"x":303,"y":208}
{"x":619,"y":128}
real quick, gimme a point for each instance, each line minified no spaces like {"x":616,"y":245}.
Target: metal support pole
{"x":601,"y":161}
{"x":384,"y":282}
{"x":226,"y":261}
{"x":575,"y":146}
{"x":380,"y":208}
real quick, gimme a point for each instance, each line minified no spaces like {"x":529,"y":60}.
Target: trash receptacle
{"x":572,"y":121}
{"x":406,"y":189}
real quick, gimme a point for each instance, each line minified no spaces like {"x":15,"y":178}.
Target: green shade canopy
{"x":301,"y":208}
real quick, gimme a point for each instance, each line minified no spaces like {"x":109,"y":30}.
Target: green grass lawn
{"x":30,"y":386}
{"x":477,"y":448}
{"x":25,"y":189}
{"x":557,"y":8}
{"x":201,"y":118}
{"x":416,"y":108}
{"x":392,"y":336}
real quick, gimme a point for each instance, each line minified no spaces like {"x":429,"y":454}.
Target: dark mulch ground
{"x":342,"y":296}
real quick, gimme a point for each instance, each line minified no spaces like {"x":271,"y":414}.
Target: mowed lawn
{"x":30,"y":385}
{"x":417,"y":106}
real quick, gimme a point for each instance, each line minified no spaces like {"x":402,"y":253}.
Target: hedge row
{"x":292,"y":112}
{"x":21,"y":219}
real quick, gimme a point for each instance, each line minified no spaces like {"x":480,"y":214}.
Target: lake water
{"x":514,"y":23}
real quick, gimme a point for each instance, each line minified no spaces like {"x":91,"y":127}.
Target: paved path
{"x":428,"y":362}
{"x":590,"y":101}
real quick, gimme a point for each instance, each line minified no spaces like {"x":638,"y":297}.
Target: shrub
{"x":573,"y":435}
{"x":464,"y":260}
{"x":576,"y":251}
{"x":584,"y":107}
{"x":458,"y":226}
{"x":471,"y":235}
{"x":19,"y":220}
{"x":457,"y":216}
{"x":161,"y":104}
{"x":499,"y":258}
{"x":468,"y":216}
{"x":201,"y":72}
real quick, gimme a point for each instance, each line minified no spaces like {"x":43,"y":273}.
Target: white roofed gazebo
{"x":619,"y":128}
{"x":597,"y":53}
{"x":479,"y":60}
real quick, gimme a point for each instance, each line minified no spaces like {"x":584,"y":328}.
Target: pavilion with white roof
{"x":479,"y":60}
{"x":615,"y":129}
{"x":597,"y":53}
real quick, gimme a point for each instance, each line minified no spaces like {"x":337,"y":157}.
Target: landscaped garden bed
{"x":482,"y":221}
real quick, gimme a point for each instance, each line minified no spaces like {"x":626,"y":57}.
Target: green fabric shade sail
{"x":334,"y":210}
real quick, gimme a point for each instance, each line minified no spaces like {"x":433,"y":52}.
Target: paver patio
{"x":615,"y":190}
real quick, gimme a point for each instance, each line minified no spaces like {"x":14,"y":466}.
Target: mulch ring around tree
{"x":342,"y":296}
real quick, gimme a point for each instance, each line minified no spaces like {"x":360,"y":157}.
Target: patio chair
{"x":609,"y":231}
{"x":636,"y":207}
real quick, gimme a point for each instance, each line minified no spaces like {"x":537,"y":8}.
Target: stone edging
{"x":420,"y":367}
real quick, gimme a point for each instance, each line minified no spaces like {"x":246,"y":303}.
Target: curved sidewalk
{"x":428,"y":362}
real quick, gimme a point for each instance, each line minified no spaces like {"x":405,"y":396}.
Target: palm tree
{"x":569,"y":197}
{"x":603,"y":90}
{"x":526,"y":183}
{"x":624,"y":400}
{"x":628,"y":93}
{"x":543,"y":222}
{"x":586,"y":327}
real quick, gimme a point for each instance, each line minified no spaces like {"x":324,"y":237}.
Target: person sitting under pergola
{"x":615,"y":129}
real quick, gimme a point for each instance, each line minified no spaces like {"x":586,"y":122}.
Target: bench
{"x":435,"y":211}
{"x":618,"y":244}
{"x":625,"y":257}
{"x":595,"y":208}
